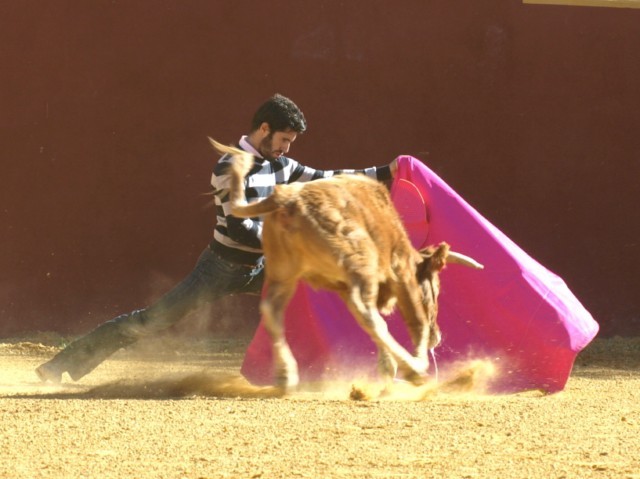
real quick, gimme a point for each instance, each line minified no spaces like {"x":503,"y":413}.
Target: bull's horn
{"x":459,"y":258}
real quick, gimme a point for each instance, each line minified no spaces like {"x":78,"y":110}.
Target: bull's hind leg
{"x":361,"y":301}
{"x":273,"y":308}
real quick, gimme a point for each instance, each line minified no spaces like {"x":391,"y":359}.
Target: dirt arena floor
{"x":185,"y":413}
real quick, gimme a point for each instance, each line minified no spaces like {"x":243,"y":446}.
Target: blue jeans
{"x":212,"y":278}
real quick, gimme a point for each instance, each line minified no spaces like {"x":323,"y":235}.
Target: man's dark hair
{"x":281,"y":114}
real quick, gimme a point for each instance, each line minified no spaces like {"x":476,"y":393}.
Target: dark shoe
{"x":85,"y":354}
{"x":48,"y":372}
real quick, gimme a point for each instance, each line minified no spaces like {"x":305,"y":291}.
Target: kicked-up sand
{"x":181,"y":410}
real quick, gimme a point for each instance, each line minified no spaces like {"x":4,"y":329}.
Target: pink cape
{"x":515,"y":312}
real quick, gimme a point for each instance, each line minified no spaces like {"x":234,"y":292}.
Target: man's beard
{"x":266,"y":147}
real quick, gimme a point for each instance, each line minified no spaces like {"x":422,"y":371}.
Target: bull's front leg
{"x":273,"y":307}
{"x":387,"y":366}
{"x":368,"y":316}
{"x":414,"y":316}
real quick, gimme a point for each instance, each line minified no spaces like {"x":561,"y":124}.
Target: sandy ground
{"x":186,"y":414}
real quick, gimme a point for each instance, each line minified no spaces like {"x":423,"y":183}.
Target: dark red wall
{"x":530,"y":112}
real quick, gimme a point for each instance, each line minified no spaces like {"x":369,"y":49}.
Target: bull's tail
{"x":240,"y":165}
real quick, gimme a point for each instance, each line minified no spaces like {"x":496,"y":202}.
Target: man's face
{"x":276,"y":144}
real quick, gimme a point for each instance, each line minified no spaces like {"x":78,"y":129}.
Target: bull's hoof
{"x":415,"y":378}
{"x":287,"y":384}
{"x":414,"y":371}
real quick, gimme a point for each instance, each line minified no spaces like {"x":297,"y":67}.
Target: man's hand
{"x":393,"y":166}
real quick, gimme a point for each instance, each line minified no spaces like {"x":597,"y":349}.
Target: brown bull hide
{"x":343,"y":234}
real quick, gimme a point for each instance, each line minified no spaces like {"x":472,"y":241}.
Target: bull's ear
{"x":440,"y":256}
{"x":433,"y":259}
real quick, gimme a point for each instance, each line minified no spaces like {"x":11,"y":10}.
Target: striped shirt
{"x":239,"y":239}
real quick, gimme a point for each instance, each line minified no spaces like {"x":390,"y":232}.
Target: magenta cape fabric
{"x":515,"y":312}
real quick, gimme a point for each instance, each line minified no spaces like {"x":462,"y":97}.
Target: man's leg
{"x":86,"y":353}
{"x":210,"y":279}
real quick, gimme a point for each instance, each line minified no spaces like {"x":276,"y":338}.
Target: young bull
{"x":343,"y":234}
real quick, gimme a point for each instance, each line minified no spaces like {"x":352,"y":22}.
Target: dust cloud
{"x":145,"y":364}
{"x":197,"y":384}
{"x":468,"y":378}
